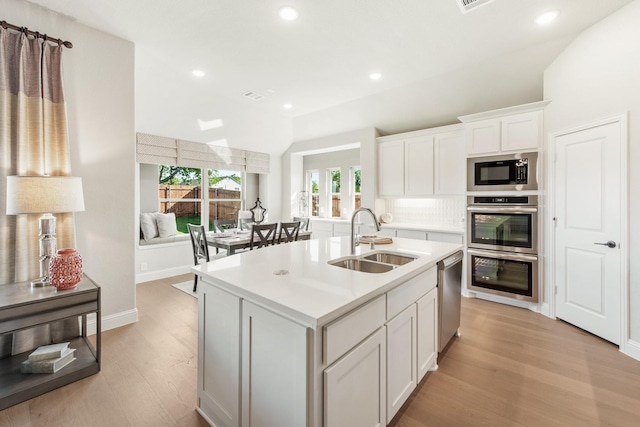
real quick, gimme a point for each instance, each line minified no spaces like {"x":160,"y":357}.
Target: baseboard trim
{"x":632,"y":349}
{"x":161,"y":274}
{"x":112,"y":321}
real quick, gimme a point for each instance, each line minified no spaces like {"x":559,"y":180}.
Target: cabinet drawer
{"x":344,"y":333}
{"x":409,"y":292}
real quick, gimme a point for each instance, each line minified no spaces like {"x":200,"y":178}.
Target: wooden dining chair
{"x":200,"y":247}
{"x":266,"y":234}
{"x":221,"y":225}
{"x":289,"y":231}
{"x":304,"y":222}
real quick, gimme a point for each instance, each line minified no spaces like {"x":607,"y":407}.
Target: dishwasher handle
{"x":450,"y":261}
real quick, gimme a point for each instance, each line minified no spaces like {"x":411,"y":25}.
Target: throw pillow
{"x":148,"y":225}
{"x":167,"y":225}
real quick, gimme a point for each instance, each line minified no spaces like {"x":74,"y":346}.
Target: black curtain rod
{"x":36,"y":34}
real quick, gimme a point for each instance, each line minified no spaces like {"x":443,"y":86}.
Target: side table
{"x":23,"y":307}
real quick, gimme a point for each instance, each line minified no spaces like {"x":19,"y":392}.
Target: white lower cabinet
{"x":274,"y":367}
{"x":401,"y":359}
{"x":355,"y":386}
{"x":219,"y":346}
{"x":427,"y":320}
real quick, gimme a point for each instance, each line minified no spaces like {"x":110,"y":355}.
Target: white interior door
{"x":588,"y":272}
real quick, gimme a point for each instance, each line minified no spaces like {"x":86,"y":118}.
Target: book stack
{"x":48,"y":359}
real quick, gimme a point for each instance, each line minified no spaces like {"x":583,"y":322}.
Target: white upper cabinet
{"x":508,"y":130}
{"x":422,"y":163}
{"x":418,"y":166}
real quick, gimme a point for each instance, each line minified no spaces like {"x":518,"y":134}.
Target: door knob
{"x":610,"y":244}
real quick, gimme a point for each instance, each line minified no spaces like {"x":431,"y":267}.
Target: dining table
{"x":241,"y":239}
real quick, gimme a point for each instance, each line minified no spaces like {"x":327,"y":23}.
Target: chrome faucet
{"x":353,"y":217}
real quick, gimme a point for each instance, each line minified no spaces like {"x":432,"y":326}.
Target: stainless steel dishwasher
{"x":449,"y":297}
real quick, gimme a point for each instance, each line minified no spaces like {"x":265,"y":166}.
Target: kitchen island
{"x":286,"y":339}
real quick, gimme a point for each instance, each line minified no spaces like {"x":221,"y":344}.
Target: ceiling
{"x":323,"y":58}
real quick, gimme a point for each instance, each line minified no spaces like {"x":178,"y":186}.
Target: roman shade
{"x":159,"y":150}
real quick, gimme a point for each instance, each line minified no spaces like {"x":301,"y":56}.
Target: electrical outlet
{"x":143,"y":266}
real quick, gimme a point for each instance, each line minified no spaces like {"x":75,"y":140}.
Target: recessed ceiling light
{"x":375,"y":76}
{"x":287,"y":106}
{"x":547,"y":18}
{"x":198,"y":73}
{"x":288,"y":13}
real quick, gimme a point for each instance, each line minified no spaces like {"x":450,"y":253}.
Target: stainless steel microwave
{"x":503,"y":173}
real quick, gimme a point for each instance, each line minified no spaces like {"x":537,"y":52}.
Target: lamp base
{"x":40,"y":282}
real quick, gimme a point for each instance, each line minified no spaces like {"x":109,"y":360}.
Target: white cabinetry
{"x":422,"y":163}
{"x":449,"y":163}
{"x":427,"y":307}
{"x":219,"y":345}
{"x":320,"y":229}
{"x":355,"y":386}
{"x":278,"y":377}
{"x":508,"y":130}
{"x":402,"y":354}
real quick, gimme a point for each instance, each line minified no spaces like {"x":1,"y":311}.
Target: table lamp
{"x":46,"y":195}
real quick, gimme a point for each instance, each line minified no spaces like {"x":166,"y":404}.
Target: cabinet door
{"x":483,"y":136}
{"x":320,"y":229}
{"x":402,"y":353}
{"x":521,"y":131}
{"x":274,"y":369}
{"x":450,"y":163}
{"x":391,"y":168}
{"x":355,"y":386}
{"x":418,"y":166}
{"x":427,"y":333}
{"x":219,"y":354}
{"x":341,"y":229}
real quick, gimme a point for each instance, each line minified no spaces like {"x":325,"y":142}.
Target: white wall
{"x":293,"y":158}
{"x":595,"y":77}
{"x":99,"y":90}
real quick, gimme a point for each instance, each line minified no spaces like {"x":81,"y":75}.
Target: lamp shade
{"x":44,"y":194}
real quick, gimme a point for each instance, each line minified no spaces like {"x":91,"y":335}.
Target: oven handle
{"x":502,"y":255}
{"x":496,"y":209}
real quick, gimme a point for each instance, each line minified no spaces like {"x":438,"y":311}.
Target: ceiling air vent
{"x":253,"y":95}
{"x":468,"y":5}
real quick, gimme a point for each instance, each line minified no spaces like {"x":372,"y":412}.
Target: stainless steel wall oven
{"x":502,"y":245}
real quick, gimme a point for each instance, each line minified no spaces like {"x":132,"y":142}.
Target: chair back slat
{"x":220,"y":225}
{"x":266,"y":234}
{"x":199,"y":243}
{"x":304,"y":222}
{"x":289,"y":231}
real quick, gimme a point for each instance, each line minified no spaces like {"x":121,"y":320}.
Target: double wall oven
{"x":502,"y":247}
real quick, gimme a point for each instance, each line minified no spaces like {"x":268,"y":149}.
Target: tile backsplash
{"x":441,"y":212}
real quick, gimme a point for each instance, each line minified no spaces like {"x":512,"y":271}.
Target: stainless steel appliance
{"x":505,"y":223}
{"x":503,"y":173}
{"x":507,"y":274}
{"x":449,"y":296}
{"x":502,"y":246}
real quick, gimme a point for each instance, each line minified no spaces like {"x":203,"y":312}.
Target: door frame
{"x":549,"y":304}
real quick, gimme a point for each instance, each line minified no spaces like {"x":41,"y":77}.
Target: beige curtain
{"x":33,"y":141}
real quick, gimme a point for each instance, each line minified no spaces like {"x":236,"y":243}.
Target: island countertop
{"x":296,"y":280}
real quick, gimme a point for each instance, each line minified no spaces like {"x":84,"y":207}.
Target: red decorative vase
{"x":65,"y":269}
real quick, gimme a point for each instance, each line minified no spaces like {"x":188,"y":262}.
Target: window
{"x":183,"y":192}
{"x":313,"y":178}
{"x":180,"y":192}
{"x":334,"y":185}
{"x":355,"y":186}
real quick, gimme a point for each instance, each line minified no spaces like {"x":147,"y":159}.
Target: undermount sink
{"x":358,"y":264}
{"x":378,"y":262}
{"x":390,"y":258}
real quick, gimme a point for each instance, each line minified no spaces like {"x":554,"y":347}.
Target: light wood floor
{"x":510,"y":367}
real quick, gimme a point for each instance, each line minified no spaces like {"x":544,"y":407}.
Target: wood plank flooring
{"x":510,"y":367}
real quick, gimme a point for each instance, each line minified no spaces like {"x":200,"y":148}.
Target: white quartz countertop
{"x":313,"y":292}
{"x":401,"y":225}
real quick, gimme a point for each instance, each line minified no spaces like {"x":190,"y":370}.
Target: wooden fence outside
{"x":218,"y":209}
{"x":335,"y":205}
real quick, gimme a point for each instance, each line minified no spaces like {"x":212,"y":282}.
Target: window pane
{"x":356,"y":184}
{"x":227,"y":180}
{"x":186,"y":212}
{"x":335,"y":192}
{"x":223,"y":210}
{"x":314,"y":178}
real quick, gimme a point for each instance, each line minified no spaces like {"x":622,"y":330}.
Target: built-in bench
{"x":162,"y":240}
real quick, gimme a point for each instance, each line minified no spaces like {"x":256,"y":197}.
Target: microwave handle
{"x":502,"y":255}
{"x":497,"y":209}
